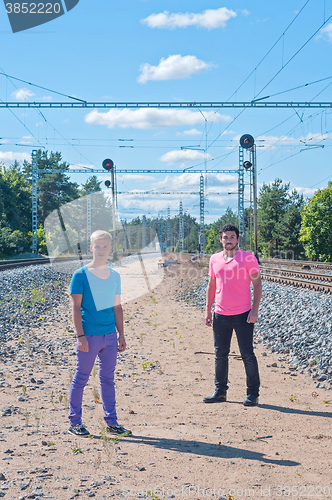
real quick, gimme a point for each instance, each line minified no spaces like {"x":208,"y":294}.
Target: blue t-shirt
{"x":97,"y":306}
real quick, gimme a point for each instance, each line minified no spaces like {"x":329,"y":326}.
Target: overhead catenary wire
{"x":278,"y":72}
{"x":293,"y":56}
{"x":270,"y":50}
{"x":2,"y":72}
{"x":39,"y":86}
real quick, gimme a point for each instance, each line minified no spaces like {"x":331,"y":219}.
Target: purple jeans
{"x":106,"y":348}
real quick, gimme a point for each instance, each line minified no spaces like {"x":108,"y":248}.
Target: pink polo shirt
{"x":233,"y":294}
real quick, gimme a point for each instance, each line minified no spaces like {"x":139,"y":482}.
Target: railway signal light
{"x":107,"y":183}
{"x":247,"y":141}
{"x":108,"y":164}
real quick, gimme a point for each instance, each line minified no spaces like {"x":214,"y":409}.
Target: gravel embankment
{"x":26,"y":294}
{"x":295,"y":323}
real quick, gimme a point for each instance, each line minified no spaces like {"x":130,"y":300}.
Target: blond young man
{"x":95,"y":293}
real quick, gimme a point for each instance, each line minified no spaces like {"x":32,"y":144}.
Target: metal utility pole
{"x":144,"y":232}
{"x":88,"y":221}
{"x":168,"y":229}
{"x":181,"y":227}
{"x":162,"y":234}
{"x":124,"y":225}
{"x":201,"y":216}
{"x":241,"y":197}
{"x":34,"y":245}
{"x":254,"y":189}
{"x":248,"y":142}
{"x":150,"y":225}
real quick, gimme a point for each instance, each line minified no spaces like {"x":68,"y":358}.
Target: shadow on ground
{"x":208,"y":450}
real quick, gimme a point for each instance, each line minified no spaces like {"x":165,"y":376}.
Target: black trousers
{"x":223,"y":327}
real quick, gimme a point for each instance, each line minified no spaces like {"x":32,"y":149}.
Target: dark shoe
{"x":216,"y":397}
{"x":78,"y":430}
{"x":250,"y":400}
{"x":118,"y":430}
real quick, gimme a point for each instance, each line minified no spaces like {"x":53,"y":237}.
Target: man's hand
{"x":83,"y":344}
{"x":208,"y":317}
{"x":252,"y":316}
{"x":122,"y":343}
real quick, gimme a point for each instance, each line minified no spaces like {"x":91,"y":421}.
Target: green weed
{"x":96,"y":395}
{"x":26,"y":415}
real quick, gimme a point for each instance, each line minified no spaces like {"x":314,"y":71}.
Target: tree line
{"x":288,"y":225}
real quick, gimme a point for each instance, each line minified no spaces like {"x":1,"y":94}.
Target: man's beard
{"x":232,"y":248}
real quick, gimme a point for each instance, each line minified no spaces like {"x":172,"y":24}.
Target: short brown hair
{"x":229,"y":227}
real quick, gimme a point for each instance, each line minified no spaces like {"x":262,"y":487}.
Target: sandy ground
{"x":181,"y":447}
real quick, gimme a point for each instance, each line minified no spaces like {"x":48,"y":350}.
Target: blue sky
{"x":175,"y":51}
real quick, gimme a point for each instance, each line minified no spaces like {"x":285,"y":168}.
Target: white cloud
{"x":27,"y":139}
{"x":135,"y":177}
{"x":192,"y":131}
{"x":326,"y":33}
{"x":185,"y":182}
{"x":273,"y":141}
{"x":184,"y":155}
{"x":175,"y":67}
{"x":81,"y":165}
{"x":147,"y":118}
{"x":190,"y":181}
{"x":9,"y":157}
{"x":307,"y":192}
{"x":210,"y":19}
{"x":22,"y":94}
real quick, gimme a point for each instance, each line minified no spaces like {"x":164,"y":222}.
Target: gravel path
{"x":296,"y":323}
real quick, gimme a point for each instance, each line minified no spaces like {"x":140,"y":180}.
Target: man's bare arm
{"x":257,"y":284}
{"x":210,"y":295}
{"x":82,"y":342}
{"x":118,"y":314}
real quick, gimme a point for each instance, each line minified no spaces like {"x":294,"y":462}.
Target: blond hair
{"x":100,"y":235}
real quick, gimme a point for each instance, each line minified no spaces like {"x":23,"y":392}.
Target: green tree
{"x":41,"y":240}
{"x":15,"y":196}
{"x":213,"y":244}
{"x":278,"y":219}
{"x":316,"y":227}
{"x":10,"y":241}
{"x":54,"y":189}
{"x":92,"y":185}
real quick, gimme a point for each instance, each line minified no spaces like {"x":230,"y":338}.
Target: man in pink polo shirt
{"x":231,"y":271}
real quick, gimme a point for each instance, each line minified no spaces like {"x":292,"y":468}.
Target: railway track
{"x":302,"y":264}
{"x":272,"y":270}
{"x":313,"y":281}
{"x":12,"y":264}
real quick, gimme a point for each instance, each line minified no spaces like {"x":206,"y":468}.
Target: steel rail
{"x":298,"y":282}
{"x":12,"y":264}
{"x":297,"y":263}
{"x":297,"y":273}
